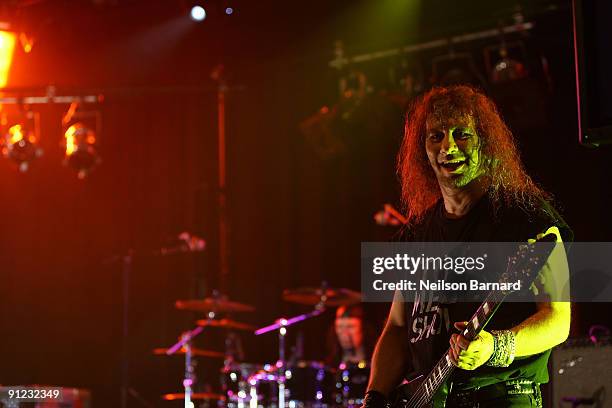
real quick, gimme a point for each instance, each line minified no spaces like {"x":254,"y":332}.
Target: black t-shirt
{"x":430,"y":323}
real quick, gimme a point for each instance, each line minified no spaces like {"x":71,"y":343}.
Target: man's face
{"x":349,"y":333}
{"x":453,"y":150}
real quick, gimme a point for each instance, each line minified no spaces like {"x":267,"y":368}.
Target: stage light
{"x":20,"y":140}
{"x":7,"y":45}
{"x":81,"y":149}
{"x":229,"y":11}
{"x":198,"y":13}
{"x":506,"y":67}
{"x":20,"y":146}
{"x":81,"y":139}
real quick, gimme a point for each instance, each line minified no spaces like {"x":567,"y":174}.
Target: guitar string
{"x":425,"y":397}
{"x":422,"y":394}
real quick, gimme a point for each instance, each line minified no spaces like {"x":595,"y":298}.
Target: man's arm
{"x":545,"y":329}
{"x":550,"y":325}
{"x":390,"y":355}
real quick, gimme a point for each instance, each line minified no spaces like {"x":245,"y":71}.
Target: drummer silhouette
{"x":351,"y":339}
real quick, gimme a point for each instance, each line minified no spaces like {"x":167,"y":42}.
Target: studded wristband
{"x":503,"y":348}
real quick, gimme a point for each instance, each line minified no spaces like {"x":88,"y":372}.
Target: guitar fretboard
{"x":444,"y":368}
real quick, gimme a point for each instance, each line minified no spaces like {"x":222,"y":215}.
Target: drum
{"x":235,"y":382}
{"x":263,"y":388}
{"x":351,"y":384}
{"x":308,"y":384}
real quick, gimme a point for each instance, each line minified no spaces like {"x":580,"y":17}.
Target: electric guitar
{"x":433,"y":389}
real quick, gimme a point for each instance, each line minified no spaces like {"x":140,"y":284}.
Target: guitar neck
{"x":444,"y":368}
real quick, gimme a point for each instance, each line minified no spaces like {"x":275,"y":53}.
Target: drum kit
{"x":284,"y":383}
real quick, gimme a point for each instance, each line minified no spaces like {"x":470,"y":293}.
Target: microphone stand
{"x":126,"y":269}
{"x":190,"y":243}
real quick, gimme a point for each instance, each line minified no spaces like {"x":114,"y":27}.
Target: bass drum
{"x":351,"y":384}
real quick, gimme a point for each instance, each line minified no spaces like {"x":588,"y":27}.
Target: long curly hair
{"x":509,"y":182}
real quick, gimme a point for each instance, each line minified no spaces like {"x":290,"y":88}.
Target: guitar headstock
{"x":528,"y":259}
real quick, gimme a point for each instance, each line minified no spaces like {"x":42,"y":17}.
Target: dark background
{"x":295,"y":219}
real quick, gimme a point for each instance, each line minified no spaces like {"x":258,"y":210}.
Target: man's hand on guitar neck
{"x":469,"y":355}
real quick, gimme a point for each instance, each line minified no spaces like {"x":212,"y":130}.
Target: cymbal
{"x":194,"y":351}
{"x":226,"y":324}
{"x":194,"y":396}
{"x":331,"y":297}
{"x":213,"y":305}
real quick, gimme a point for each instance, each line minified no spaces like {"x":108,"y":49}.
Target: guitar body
{"x":400,"y":398}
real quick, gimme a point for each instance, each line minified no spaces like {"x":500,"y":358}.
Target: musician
{"x":351,"y":339}
{"x":462,"y":180}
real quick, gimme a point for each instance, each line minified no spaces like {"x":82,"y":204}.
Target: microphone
{"x":185,"y":242}
{"x":193,"y":242}
{"x":389,"y":216}
{"x":383,"y":218}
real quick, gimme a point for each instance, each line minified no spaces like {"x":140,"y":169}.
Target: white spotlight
{"x":198,"y":13}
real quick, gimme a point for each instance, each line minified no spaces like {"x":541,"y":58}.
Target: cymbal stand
{"x":281,"y":363}
{"x":185,"y":342}
{"x":281,"y":325}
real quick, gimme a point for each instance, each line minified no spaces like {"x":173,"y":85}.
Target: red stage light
{"x":81,"y":153}
{"x":19,"y":138}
